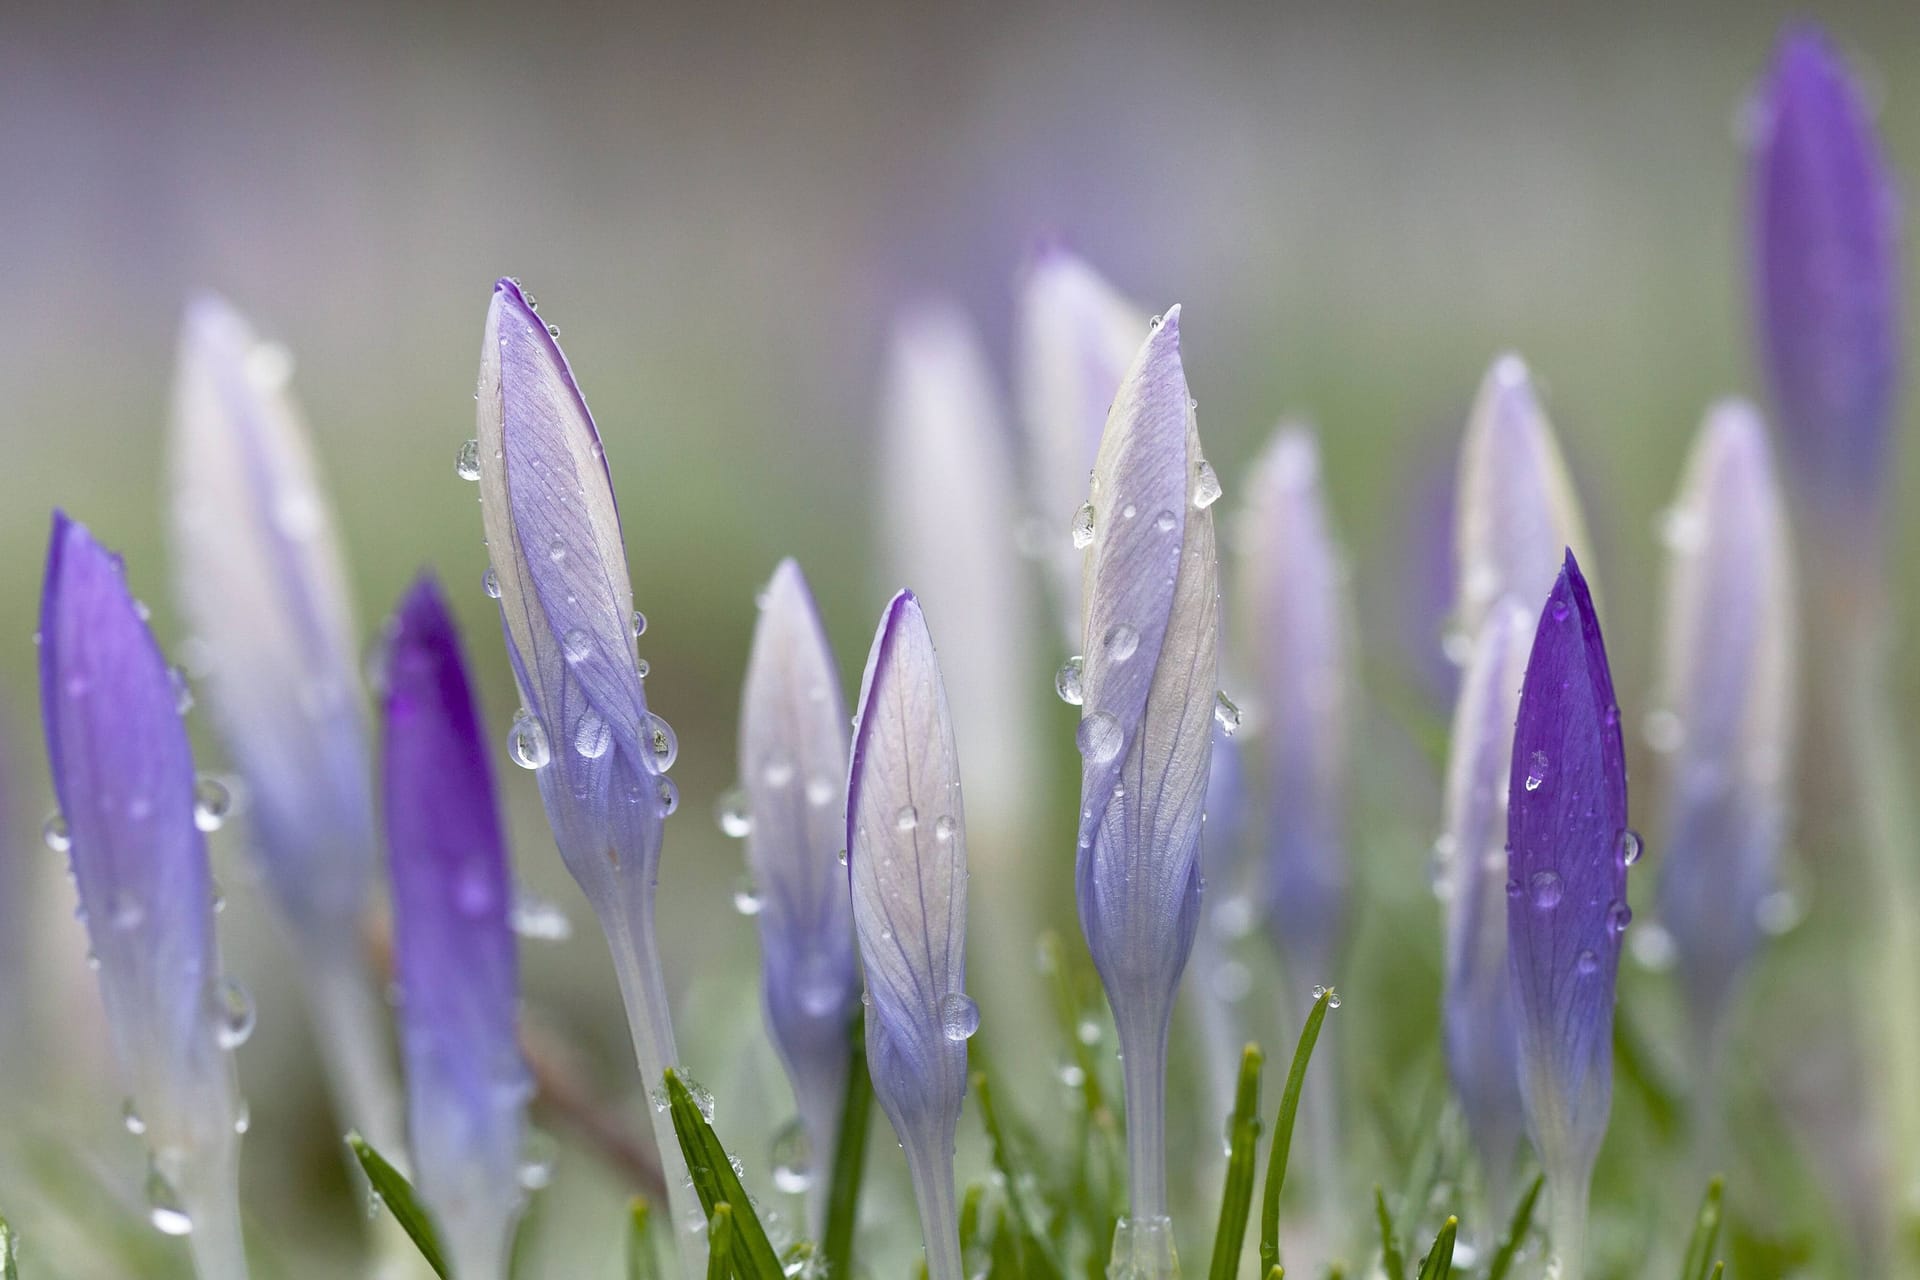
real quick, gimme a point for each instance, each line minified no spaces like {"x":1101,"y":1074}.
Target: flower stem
{"x":210,"y":1193}
{"x":1567,"y":1227}
{"x":930,"y":1166}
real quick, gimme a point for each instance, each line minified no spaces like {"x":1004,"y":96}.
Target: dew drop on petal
{"x":1206,"y":485}
{"x":669,"y":796}
{"x":490,"y":583}
{"x":746,"y":898}
{"x":576,"y":644}
{"x":592,"y":736}
{"x":1226,"y":714}
{"x":212,"y":803}
{"x":1546,"y":889}
{"x":1122,"y":641}
{"x":660,"y":742}
{"x":943,"y":827}
{"x":1630,"y":846}
{"x":734,"y":814}
{"x":959,"y":1015}
{"x":527,"y":741}
{"x":1165,"y":521}
{"x":1067,"y":681}
{"x":639,"y":624}
{"x":1587,"y":964}
{"x":164,"y":1209}
{"x":466,"y":464}
{"x":233,"y":1013}
{"x":1099,"y":737}
{"x":907,"y":819}
{"x":1536,"y":770}
{"x":1082,"y":527}
{"x":54,"y":834}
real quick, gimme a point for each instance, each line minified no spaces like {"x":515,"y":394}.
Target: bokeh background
{"x":725,"y":207}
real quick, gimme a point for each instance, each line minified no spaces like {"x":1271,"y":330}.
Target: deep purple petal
{"x":1566,"y":878}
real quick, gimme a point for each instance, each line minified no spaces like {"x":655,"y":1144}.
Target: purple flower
{"x":1726,"y":699}
{"x":907,"y":864}
{"x":1149,"y":688}
{"x":454,"y":960}
{"x":1297,"y":615}
{"x":1076,"y":337}
{"x":1568,"y":846}
{"x":262,"y":581}
{"x":793,"y":760}
{"x":123,"y":772}
{"x":1472,"y":871}
{"x":1827,"y":276}
{"x":560,"y":571}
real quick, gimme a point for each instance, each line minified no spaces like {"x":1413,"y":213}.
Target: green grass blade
{"x":1719,"y":1270}
{"x":1706,"y":1232}
{"x":970,"y":1220}
{"x":1035,"y":1248}
{"x":849,"y":1160}
{"x":1390,"y":1259}
{"x":643,"y":1261}
{"x":397,"y":1194}
{"x":715,"y":1182}
{"x":9,"y":1253}
{"x":1283,"y":1133}
{"x":1003,"y":1256}
{"x":720,"y":1242}
{"x":1516,"y":1231}
{"x":1243,"y":1156}
{"x":1438,"y":1264}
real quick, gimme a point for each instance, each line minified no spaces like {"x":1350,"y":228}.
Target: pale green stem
{"x":482,"y":1251}
{"x":210,"y":1194}
{"x":931,"y":1172}
{"x":1143,"y":1070}
{"x":1567,"y":1226}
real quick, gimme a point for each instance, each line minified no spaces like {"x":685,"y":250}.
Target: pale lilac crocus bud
{"x":1151,"y":639}
{"x":793,"y":760}
{"x":262,"y":580}
{"x":1825,"y":230}
{"x":1515,"y":508}
{"x":1568,"y":846}
{"x":1075,"y":339}
{"x":1726,"y":690}
{"x":907,"y":866}
{"x":123,"y":772}
{"x":599,"y":755}
{"x":1471,"y":878}
{"x":453,"y":944}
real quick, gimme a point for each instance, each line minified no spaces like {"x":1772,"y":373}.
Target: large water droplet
{"x":1099,"y":737}
{"x":576,"y":644}
{"x":233,"y":1013}
{"x":639,"y":624}
{"x":959,"y":1015}
{"x":907,"y":819}
{"x":1226,"y":714}
{"x":466,"y":464}
{"x":1206,"y":485}
{"x":943,"y":827}
{"x":1536,"y":770}
{"x":1546,"y":888}
{"x":527,"y":741}
{"x":212,"y":802}
{"x":734,"y":814}
{"x":592,"y":736}
{"x":1630,"y":846}
{"x":54,"y":834}
{"x":1586,"y":964}
{"x":1067,"y":681}
{"x":668,"y":793}
{"x":1082,"y":527}
{"x":820,"y":792}
{"x":164,"y":1208}
{"x":1619,"y":916}
{"x":1333,"y":997}
{"x":1122,"y":641}
{"x":657,"y":736}
{"x":490,"y":583}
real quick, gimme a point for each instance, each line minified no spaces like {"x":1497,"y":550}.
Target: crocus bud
{"x":553,"y":536}
{"x":907,"y":865}
{"x":793,"y":760}
{"x":123,"y":772}
{"x":453,"y":943}
{"x":1472,"y":881}
{"x":262,"y":581}
{"x":1298,"y":641}
{"x":1151,"y":641}
{"x":1568,"y":849}
{"x":1826,"y":274}
{"x":1075,"y":339}
{"x":1515,"y":507}
{"x":1726,"y":705}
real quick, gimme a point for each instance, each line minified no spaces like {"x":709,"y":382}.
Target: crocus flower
{"x":1298,"y":641}
{"x":553,"y":535}
{"x":1515,"y":506}
{"x":453,"y":943}
{"x":1568,"y":849}
{"x":1145,"y":737}
{"x":1726,"y":688}
{"x":262,"y":581}
{"x":1827,"y":279}
{"x":907,"y":865}
{"x":793,"y":759}
{"x":1472,"y":879}
{"x":123,"y":772}
{"x":1075,"y":339}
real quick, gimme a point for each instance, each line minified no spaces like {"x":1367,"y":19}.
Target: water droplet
{"x":553,"y":331}
{"x":1558,"y":610}
{"x":538,"y":918}
{"x":959,"y":1015}
{"x":164,"y":1209}
{"x":1630,"y":846}
{"x":490,"y":583}
{"x":734,"y":814}
{"x":843,"y":857}
{"x":1619,"y":916}
{"x":1587,"y":964}
{"x":54,"y":834}
{"x":943,"y":827}
{"x":233,"y":1013}
{"x":1067,"y":683}
{"x":792,"y":1159}
{"x":1165,"y":521}
{"x":527,"y":741}
{"x":242,"y":1118}
{"x":907,"y":819}
{"x":1226,"y":714}
{"x":668,"y":792}
{"x":1536,"y":770}
{"x":657,"y":734}
{"x":1071,"y":1074}
{"x":1121,"y":642}
{"x":820,"y":792}
{"x":592,"y":736}
{"x":536,"y":1161}
{"x":1546,"y":888}
{"x":746,"y":898}
{"x":1332,"y":996}
{"x":131,"y":1119}
{"x":642,"y":668}
{"x":557,"y":550}
{"x":212,"y":802}
{"x":128,"y":911}
{"x":466,"y":464}
{"x":1100,"y":737}
{"x":182,"y":691}
{"x":1206,"y":485}
{"x":639,"y":624}
{"x":576,"y":644}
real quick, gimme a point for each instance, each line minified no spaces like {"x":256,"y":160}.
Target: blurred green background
{"x":723,"y":207}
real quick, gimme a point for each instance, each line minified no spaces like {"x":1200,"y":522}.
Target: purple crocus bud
{"x":1298,"y":638}
{"x":1515,"y":507}
{"x":1075,"y":339}
{"x":1726,"y":706}
{"x":123,"y":772}
{"x":1471,"y":880}
{"x":263,"y":584}
{"x":453,"y":943}
{"x":907,"y":864}
{"x":1827,"y":277}
{"x":600,"y":756}
{"x":1568,"y":849}
{"x":793,"y":759}
{"x":1150,"y":692}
